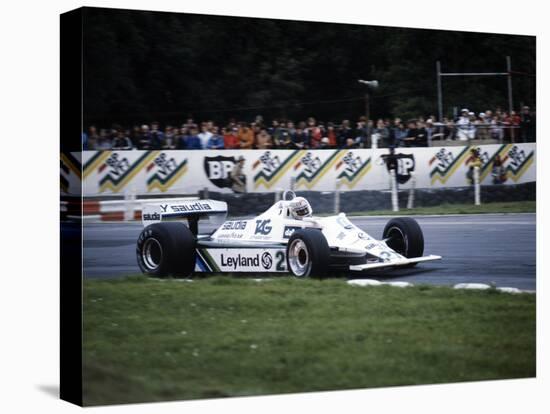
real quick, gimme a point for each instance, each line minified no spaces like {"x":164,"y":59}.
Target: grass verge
{"x":150,"y":340}
{"x":501,"y":207}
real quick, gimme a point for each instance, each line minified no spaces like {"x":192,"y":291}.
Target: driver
{"x":300,"y":208}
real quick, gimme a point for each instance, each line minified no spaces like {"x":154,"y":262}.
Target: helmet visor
{"x":302,"y":211}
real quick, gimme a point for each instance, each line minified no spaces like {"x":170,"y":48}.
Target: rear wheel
{"x":307,"y":253}
{"x":404,"y":235}
{"x":165,"y":249}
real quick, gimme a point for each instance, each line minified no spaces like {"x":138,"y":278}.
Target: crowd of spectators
{"x":286,"y":134}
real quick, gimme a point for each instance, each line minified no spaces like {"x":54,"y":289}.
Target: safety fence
{"x":323,"y":202}
{"x":463,"y":133}
{"x":118,"y":173}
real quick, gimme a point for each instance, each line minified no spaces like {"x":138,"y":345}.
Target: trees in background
{"x":140,"y":66}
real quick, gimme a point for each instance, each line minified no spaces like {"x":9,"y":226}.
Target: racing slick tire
{"x":307,"y":253}
{"x":404,"y":235}
{"x":165,"y":249}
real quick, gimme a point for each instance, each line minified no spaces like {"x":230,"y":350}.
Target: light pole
{"x":370,"y":86}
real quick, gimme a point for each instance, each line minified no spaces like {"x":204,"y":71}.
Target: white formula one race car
{"x":285,"y":238}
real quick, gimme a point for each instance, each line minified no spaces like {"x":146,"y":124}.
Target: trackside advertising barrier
{"x":187,"y":172}
{"x":71,"y":173}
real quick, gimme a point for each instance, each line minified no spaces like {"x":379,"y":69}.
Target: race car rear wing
{"x":183,"y":209}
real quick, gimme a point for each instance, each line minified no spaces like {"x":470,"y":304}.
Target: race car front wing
{"x":392,"y":263}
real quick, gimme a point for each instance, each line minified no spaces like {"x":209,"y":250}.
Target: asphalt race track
{"x":487,"y":248}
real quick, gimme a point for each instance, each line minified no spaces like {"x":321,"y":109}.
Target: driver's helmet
{"x":300,"y":208}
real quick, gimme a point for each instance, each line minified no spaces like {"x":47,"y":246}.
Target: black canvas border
{"x":71,"y":41}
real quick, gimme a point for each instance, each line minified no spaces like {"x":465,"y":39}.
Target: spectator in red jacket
{"x":314,"y":133}
{"x":331,"y":135}
{"x":513,"y":121}
{"x":230,"y":138}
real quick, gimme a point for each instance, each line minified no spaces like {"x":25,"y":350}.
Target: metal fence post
{"x":410,"y":202}
{"x":278,"y":194}
{"x":129,"y":204}
{"x":477,"y":187}
{"x":292,"y":183}
{"x":337,"y":197}
{"x":393,"y":188}
{"x":439,"y":92}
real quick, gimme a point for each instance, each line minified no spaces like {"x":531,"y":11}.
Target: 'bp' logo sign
{"x":217,"y":170}
{"x":405,"y":165}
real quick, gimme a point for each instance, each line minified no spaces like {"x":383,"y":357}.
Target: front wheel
{"x":307,"y":253}
{"x":165,"y":249}
{"x":404,"y":235}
